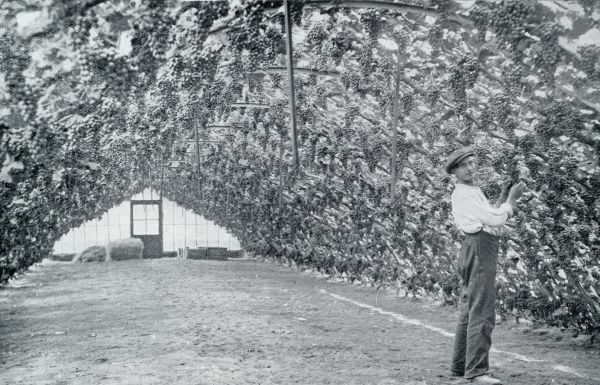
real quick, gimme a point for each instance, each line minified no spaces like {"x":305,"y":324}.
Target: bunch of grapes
{"x":527,"y":143}
{"x":316,"y":35}
{"x":250,"y":30}
{"x":351,"y":114}
{"x":547,"y":53}
{"x":276,"y":79}
{"x":386,"y":102}
{"x":207,"y":13}
{"x":509,"y":18}
{"x":482,"y":151}
{"x":458,"y":88}
{"x":407,"y":103}
{"x":401,"y":37}
{"x":385,"y":65}
{"x":431,"y":134}
{"x":350,"y":81}
{"x":207,"y":61}
{"x":491,"y":188}
{"x":470,"y":70}
{"x":500,"y":108}
{"x":435,"y":36}
{"x":365,"y":60}
{"x":371,"y":159}
{"x":512,"y":78}
{"x":296,"y":11}
{"x":502,"y":159}
{"x":589,"y":60}
{"x":371,"y":21}
{"x":559,"y":118}
{"x":509,"y":126}
{"x":18,"y":60}
{"x":341,"y":43}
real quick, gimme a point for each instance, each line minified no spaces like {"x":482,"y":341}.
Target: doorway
{"x":146,"y":224}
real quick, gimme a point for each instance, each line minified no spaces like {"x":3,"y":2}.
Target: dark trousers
{"x":477,"y":269}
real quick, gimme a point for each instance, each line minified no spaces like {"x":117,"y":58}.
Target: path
{"x":173,"y":321}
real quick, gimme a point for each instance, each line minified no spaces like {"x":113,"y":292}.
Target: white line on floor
{"x":399,"y":317}
{"x":416,"y":322}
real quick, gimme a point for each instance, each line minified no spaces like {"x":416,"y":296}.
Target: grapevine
{"x":75,"y":92}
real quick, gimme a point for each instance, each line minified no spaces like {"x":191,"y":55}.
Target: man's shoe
{"x":487,"y":379}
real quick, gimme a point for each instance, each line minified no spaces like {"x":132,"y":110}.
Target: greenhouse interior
{"x":312,"y":134}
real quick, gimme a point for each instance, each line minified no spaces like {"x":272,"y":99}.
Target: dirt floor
{"x":174,"y":321}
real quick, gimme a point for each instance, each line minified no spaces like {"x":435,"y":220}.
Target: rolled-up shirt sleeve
{"x":489,"y":215}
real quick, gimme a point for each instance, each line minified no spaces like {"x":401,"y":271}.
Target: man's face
{"x":466,"y":170}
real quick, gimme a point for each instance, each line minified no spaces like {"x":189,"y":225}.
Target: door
{"x":146,"y":224}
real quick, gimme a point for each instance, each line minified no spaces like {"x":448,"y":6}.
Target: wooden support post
{"x":393,"y":158}
{"x":162,"y":173}
{"x":292,"y":98}
{"x":197,"y":149}
{"x":280,"y":195}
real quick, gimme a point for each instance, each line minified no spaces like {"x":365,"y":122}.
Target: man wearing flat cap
{"x":482,"y":224}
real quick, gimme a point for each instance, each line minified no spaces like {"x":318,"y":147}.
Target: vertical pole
{"x":108,"y":224}
{"x":393,"y":160}
{"x":227,"y":217}
{"x":292,"y":97}
{"x":197,"y":149}
{"x":280,"y":192}
{"x":131,"y":218}
{"x":173,"y":222}
{"x":120,"y":227}
{"x":162,"y":174}
{"x":160,"y":206}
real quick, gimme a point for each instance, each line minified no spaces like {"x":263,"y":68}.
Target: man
{"x":481,"y":223}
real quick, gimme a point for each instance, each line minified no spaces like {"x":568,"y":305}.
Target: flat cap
{"x":457,"y":156}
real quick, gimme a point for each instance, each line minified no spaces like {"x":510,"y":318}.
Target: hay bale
{"x":122,"y":249}
{"x":199,"y":253}
{"x":169,"y":254}
{"x":235,"y":253}
{"x":91,"y":254}
{"x":218,"y":253}
{"x":62,"y":257}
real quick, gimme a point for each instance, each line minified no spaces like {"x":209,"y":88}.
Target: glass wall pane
{"x":89,"y":235}
{"x":123,"y":215}
{"x":179,"y":235}
{"x":102,"y":235}
{"x":190,"y":235}
{"x":152,"y":227}
{"x":151,"y":211}
{"x":139,"y":212}
{"x":139,"y":227}
{"x":114,"y":233}
{"x":168,"y":243}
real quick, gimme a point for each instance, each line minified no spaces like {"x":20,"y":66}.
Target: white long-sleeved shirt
{"x":472,"y":211}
